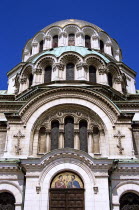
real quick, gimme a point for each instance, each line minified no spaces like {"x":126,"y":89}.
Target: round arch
{"x":121,"y":189}
{"x":15,"y":191}
{"x":74,"y":166}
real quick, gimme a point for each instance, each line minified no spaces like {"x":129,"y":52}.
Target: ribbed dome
{"x":80,"y":23}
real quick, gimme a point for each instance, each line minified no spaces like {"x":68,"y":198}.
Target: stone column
{"x":57,"y":71}
{"x":47,"y":43}
{"x":101,"y":76}
{"x":102,"y":143}
{"x":23,"y":84}
{"x":48,"y":141}
{"x":117,"y":83}
{"x":61,"y":139}
{"x":79,"y":41}
{"x":35,"y":142}
{"x":90,"y":141}
{"x":117,"y":55}
{"x":82,"y":71}
{"x":26,"y":55}
{"x":62,"y":39}
{"x":35,"y":48}
{"x":37,"y":78}
{"x":96,"y":143}
{"x":95,"y":42}
{"x":76,"y":140}
{"x":107,"y":48}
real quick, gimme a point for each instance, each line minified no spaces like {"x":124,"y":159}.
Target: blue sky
{"x":20,"y":20}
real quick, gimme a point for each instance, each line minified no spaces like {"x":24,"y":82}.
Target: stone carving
{"x":17,"y":83}
{"x":38,"y":71}
{"x":19,"y":135}
{"x":23,"y":80}
{"x":102,"y":70}
{"x":118,"y":79}
{"x":119,"y":136}
{"x":60,"y":66}
{"x":82,"y":65}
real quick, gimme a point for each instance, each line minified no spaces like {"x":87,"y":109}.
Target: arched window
{"x":41,"y":46}
{"x":71,"y":40}
{"x":87,"y":41}
{"x":101,"y":46}
{"x":30,"y":79}
{"x":110,"y":79}
{"x":55,"y":41}
{"x":92,"y":74}
{"x":54,"y":134}
{"x":47,"y":75}
{"x":129,"y":201}
{"x":83,"y":135}
{"x":70,"y":71}
{"x":69,"y":132}
{"x":7,"y":201}
{"x":42,"y":140}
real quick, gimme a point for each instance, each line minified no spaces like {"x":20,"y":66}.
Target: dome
{"x":72,"y":32}
{"x":80,"y":23}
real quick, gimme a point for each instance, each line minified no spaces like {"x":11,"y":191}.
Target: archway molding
{"x":72,"y":165}
{"x":12,"y":188}
{"x":122,"y":188}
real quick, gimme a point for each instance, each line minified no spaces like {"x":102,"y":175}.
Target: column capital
{"x":60,"y":66}
{"x":102,"y":71}
{"x":38,"y":71}
{"x":90,"y":132}
{"x":118,"y":79}
{"x":76,"y":131}
{"x":23,"y":80}
{"x":80,"y":33}
{"x":61,"y":131}
{"x":108,"y":44}
{"x":34,"y":44}
{"x":82,"y":65}
{"x":47,"y":37}
{"x":63,"y":34}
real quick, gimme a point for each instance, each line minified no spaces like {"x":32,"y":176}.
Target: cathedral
{"x":69,"y":124}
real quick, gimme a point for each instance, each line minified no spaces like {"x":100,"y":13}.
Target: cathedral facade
{"x":69,"y":124}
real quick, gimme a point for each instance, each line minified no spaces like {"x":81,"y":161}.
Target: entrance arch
{"x":58,"y":166}
{"x":7,"y":201}
{"x":128,"y":201}
{"x":66,"y":192}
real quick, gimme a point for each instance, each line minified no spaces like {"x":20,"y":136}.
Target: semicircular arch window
{"x":129,"y":201}
{"x":47,"y":75}
{"x":55,"y":41}
{"x":92,"y":74}
{"x":71,"y":40}
{"x":87,"y":41}
{"x":67,"y":179}
{"x":69,"y":132}
{"x":70,"y":71}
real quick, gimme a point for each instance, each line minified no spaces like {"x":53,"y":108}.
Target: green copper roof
{"x":59,"y":50}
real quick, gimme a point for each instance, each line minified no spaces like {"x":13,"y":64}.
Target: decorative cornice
{"x":66,"y":154}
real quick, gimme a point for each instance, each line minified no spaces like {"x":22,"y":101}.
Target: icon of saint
{"x":60,"y":183}
{"x":73,"y":183}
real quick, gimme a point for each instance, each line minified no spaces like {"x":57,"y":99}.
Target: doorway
{"x":66,"y":192}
